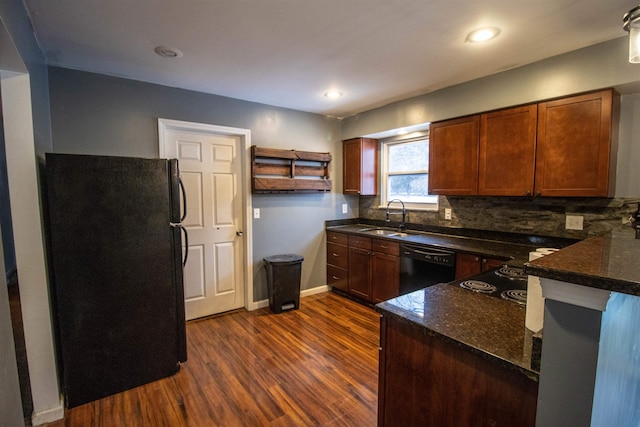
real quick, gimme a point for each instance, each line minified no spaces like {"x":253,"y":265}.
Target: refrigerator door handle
{"x":186,"y":240}
{"x":184,"y":200}
{"x":186,"y":245}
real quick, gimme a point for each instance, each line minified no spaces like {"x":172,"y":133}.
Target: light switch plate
{"x":574,"y":222}
{"x":447,"y":213}
{"x":345,"y":209}
{"x":256,"y":213}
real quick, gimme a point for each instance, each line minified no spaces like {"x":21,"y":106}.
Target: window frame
{"x":384,"y":173}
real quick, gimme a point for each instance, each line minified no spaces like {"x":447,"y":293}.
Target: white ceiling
{"x":288,"y":53}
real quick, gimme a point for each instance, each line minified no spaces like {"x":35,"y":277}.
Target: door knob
{"x":239,"y":233}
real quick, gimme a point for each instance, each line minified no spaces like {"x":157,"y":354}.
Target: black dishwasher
{"x":422,"y":266}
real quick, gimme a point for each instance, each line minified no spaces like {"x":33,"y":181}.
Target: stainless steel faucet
{"x":403,"y":224}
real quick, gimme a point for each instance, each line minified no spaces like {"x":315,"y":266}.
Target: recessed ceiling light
{"x":333,"y":94}
{"x":167,"y":52}
{"x":483,"y":34}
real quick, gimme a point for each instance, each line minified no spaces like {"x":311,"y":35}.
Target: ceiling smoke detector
{"x":167,"y":52}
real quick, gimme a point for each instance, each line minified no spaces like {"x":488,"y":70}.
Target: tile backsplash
{"x":543,"y":216}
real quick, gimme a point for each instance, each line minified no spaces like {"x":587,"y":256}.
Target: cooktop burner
{"x":518,"y":296}
{"x":478,"y":286}
{"x":510,"y":272}
{"x":507,"y":282}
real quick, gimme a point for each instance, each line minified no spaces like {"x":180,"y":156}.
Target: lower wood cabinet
{"x":374,"y":268}
{"x":425,"y":381}
{"x":364,"y":267}
{"x":337,"y":260}
{"x":468,"y":265}
{"x":369,"y":268}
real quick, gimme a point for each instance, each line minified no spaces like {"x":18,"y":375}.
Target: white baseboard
{"x":49,"y":415}
{"x":316,"y":290}
{"x":304,"y":293}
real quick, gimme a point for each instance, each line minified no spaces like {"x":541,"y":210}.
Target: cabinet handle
{"x":484,"y":261}
{"x":335,"y":254}
{"x":528,"y":193}
{"x":477,"y":259}
{"x":384,"y":247}
{"x":538,"y":194}
{"x":335,"y":278}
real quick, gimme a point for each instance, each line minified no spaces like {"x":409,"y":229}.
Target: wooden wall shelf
{"x":289,"y":171}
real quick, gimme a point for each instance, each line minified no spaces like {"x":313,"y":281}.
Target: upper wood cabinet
{"x":453,"y":156}
{"x":507,"y":152}
{"x":574,"y":146}
{"x":360,"y":166}
{"x":555,"y":148}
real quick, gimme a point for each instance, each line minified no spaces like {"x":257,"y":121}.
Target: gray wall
{"x":97,"y":114}
{"x":595,"y":67}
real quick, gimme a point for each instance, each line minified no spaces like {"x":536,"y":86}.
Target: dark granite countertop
{"x":608,"y":262}
{"x":487,"y":326}
{"x":488,"y":244}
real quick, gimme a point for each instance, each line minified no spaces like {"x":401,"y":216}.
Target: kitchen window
{"x":405,"y":173}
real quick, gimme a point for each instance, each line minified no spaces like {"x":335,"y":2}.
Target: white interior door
{"x":211,"y":169}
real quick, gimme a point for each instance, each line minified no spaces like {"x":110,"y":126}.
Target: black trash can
{"x":283,"y":281}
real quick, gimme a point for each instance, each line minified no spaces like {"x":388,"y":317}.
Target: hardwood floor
{"x":315,"y":366}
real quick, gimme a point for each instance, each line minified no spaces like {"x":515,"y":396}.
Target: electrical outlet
{"x":574,"y":222}
{"x":447,"y":214}
{"x":256,"y":213}
{"x":345,"y":209}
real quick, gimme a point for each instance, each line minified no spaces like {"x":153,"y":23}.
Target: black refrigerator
{"x":116,"y":263}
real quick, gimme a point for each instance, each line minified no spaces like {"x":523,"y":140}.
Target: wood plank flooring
{"x":315,"y":366}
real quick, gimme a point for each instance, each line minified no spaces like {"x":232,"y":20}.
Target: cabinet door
{"x":453,"y":156}
{"x":385,"y":277}
{"x":360,"y":273}
{"x":427,"y":381}
{"x":574,"y":142}
{"x":360,"y":166}
{"x":507,"y":152}
{"x":467,"y":265}
{"x":489,"y":263}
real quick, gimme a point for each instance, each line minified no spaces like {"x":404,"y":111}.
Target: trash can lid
{"x":285,"y":258}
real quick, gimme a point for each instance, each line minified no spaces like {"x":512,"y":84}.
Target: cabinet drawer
{"x":337,"y":255}
{"x":385,"y":247}
{"x":338,"y":238}
{"x":337,"y":277}
{"x":360,"y":242}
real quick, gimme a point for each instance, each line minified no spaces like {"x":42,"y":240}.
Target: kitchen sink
{"x":385,"y":232}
